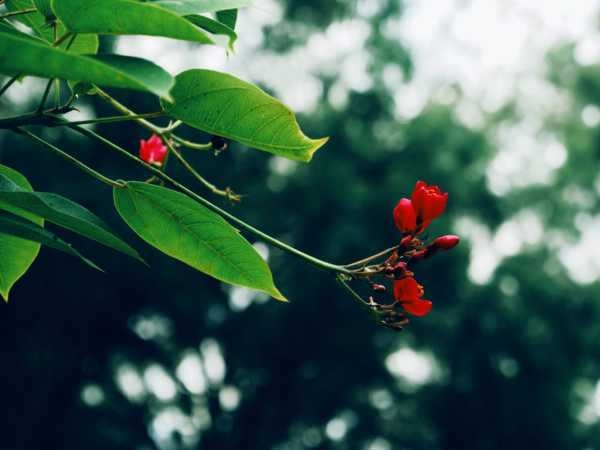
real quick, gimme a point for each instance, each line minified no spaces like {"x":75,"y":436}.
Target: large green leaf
{"x":189,"y":232}
{"x":13,"y":225}
{"x":82,"y":43}
{"x":23,"y":55}
{"x":63,"y":212}
{"x":224,"y":105}
{"x":16,"y":254}
{"x":127,"y":17}
{"x":186,"y":7}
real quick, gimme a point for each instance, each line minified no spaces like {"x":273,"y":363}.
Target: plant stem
{"x":125,"y":110}
{"x":228,"y":193}
{"x":155,"y":129}
{"x":71,"y":159}
{"x":192,"y":145}
{"x":45,"y":96}
{"x":112,"y":119}
{"x":17,"y":13}
{"x":371,"y":258}
{"x":8,"y":84}
{"x":61,"y":39}
{"x":275,"y":242}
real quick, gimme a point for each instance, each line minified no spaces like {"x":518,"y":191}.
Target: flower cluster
{"x":153,"y":151}
{"x":411,"y":216}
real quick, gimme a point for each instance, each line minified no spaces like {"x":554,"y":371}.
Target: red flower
{"x":428,"y":202}
{"x":405,"y":217}
{"x":153,"y":151}
{"x":408,"y":293}
{"x":446,"y":242}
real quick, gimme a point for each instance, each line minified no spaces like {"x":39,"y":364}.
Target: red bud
{"x":446,"y":242}
{"x":378,"y":287}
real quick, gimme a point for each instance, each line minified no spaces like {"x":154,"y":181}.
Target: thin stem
{"x":125,"y":110}
{"x":173,"y":126}
{"x":371,"y":258}
{"x":192,"y":145}
{"x":155,"y":129}
{"x":228,"y":193}
{"x":275,"y":242}
{"x":112,"y":119}
{"x":71,"y":159}
{"x":17,"y":13}
{"x":8,"y":84}
{"x":45,"y":96}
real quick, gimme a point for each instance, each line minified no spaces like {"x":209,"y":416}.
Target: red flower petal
{"x":404,"y":216}
{"x":418,"y":308}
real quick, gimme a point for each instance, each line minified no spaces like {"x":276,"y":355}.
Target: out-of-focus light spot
{"x":240,"y":298}
{"x":191,"y":373}
{"x":130,"y":382}
{"x":229,"y":398}
{"x":509,"y":367}
{"x":159,"y":382}
{"x":336,"y":429}
{"x":201,"y":417}
{"x":170,"y":425}
{"x":282,"y":166}
{"x":509,"y":285}
{"x":379,"y":444}
{"x":151,"y":326}
{"x":590,"y":115}
{"x":338,"y":95}
{"x":381,"y":399}
{"x":589,"y":394}
{"x":92,"y":395}
{"x":214,"y":364}
{"x":312,"y":437}
{"x":415,"y":368}
{"x":587,"y":51}
{"x":582,"y":259}
{"x":368,"y":8}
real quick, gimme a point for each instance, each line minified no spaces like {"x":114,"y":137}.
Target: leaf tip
{"x":316,"y":144}
{"x":278,"y":295}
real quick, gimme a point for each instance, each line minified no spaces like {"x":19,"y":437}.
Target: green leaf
{"x":186,"y":7}
{"x":16,"y":254}
{"x":39,"y":59}
{"x":15,"y":226}
{"x":63,"y":212}
{"x":214,"y":27}
{"x":82,"y":44}
{"x":228,"y":17}
{"x":224,"y":105}
{"x":127,"y":17}
{"x":189,"y":232}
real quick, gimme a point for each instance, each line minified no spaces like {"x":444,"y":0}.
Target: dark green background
{"x":300,"y":365}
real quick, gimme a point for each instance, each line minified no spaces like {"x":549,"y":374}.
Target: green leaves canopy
{"x":127,"y":17}
{"x":189,"y":232}
{"x":37,"y":58}
{"x":224,"y":105}
{"x":16,"y":254}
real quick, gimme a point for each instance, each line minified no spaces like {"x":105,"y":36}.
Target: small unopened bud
{"x":219,"y":144}
{"x":378,"y":287}
{"x":446,"y":242}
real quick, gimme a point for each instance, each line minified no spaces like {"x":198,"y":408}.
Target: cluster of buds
{"x":411,"y":216}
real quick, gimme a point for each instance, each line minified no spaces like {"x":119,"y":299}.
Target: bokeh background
{"x":497,"y":101}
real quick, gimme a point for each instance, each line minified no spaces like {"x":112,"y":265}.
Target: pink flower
{"x":153,"y":151}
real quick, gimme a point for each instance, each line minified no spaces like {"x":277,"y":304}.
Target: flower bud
{"x":446,"y":242}
{"x":378,"y":287}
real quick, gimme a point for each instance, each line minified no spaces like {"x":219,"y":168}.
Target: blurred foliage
{"x":516,"y":359}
